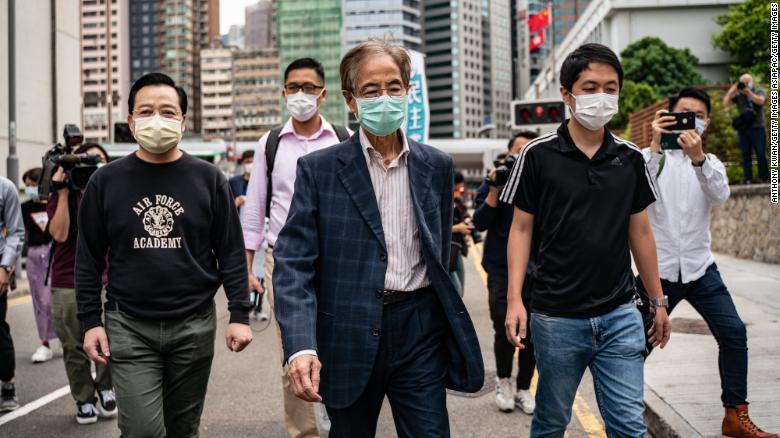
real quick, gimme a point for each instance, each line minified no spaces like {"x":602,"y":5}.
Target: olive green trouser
{"x":161,"y":371}
{"x":77,"y":364}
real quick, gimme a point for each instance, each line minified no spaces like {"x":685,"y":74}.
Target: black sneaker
{"x":87,"y":413}
{"x":8,"y":400}
{"x":107,"y":405}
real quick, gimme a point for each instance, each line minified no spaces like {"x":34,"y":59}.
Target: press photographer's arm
{"x":60,"y":222}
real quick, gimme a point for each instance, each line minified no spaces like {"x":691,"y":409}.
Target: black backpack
{"x":746,"y":118}
{"x":272,"y":145}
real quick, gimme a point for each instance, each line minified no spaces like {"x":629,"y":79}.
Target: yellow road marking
{"x":590,"y":423}
{"x":24,"y":299}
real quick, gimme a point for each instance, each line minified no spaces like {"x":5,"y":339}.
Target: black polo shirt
{"x":581,"y":211}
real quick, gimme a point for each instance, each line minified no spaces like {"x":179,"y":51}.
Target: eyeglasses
{"x":374,"y":92}
{"x":292,"y":88}
{"x":167,"y":113}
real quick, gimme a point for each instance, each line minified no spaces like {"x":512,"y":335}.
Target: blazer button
{"x":383,"y":257}
{"x":375,"y":332}
{"x":380,"y":293}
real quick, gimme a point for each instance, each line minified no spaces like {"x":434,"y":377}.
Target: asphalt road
{"x":244,"y":395}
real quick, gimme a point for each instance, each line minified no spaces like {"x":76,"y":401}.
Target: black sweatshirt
{"x":172,"y":235}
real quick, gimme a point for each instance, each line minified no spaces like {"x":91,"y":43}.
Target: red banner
{"x":539,"y":21}
{"x":536,"y":41}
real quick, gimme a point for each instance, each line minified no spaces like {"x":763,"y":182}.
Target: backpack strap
{"x":341,"y":132}
{"x":271,"y":146}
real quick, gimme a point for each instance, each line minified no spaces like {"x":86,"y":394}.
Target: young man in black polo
{"x":582,"y":194}
{"x":170,"y":229}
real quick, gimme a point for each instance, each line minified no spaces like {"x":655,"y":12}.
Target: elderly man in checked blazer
{"x":363,"y":296}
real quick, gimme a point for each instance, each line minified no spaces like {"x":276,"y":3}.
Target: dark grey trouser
{"x":161,"y":371}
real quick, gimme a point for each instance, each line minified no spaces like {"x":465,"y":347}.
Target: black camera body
{"x":78,"y":168}
{"x":741,"y":85}
{"x":503,"y":169}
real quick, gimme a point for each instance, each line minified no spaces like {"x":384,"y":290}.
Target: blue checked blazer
{"x":328,"y":267}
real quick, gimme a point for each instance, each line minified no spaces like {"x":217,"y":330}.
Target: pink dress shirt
{"x":291,"y":147}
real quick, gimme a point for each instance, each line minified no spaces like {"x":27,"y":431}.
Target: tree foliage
{"x":745,"y":35}
{"x":633,"y":97}
{"x":666,"y":69}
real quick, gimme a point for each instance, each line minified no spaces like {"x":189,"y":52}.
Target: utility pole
{"x":109,"y":70}
{"x":12,"y":162}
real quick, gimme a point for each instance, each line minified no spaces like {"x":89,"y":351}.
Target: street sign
{"x":417,"y":120}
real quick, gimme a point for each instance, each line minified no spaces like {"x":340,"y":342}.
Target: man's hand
{"x":462,"y":228}
{"x":690,"y":141}
{"x":96,"y":345}
{"x":238,"y":336}
{"x":254,"y":283}
{"x":516,"y":322}
{"x":240,"y":200}
{"x":5,"y":279}
{"x":304,"y":375}
{"x":662,"y":328}
{"x":659,"y":125}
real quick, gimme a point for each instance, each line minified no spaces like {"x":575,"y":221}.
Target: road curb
{"x":663,"y":421}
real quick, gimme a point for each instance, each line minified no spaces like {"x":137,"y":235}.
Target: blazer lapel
{"x":354,"y":175}
{"x":420,"y":176}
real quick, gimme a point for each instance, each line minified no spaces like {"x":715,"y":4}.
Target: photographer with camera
{"x":689,"y":183}
{"x":496,"y":218}
{"x":749,"y":125}
{"x":62,"y":210}
{"x":461,"y":230}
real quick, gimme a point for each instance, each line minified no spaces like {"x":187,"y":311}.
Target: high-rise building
{"x":259,"y":25}
{"x":256,"y":93}
{"x":216,"y":69}
{"x":397,"y":20}
{"x":468,"y":64}
{"x":105,"y":67}
{"x":234,"y":37}
{"x":168,"y":36}
{"x":313,"y":29}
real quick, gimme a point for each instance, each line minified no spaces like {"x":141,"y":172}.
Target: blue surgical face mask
{"x":700,"y":126}
{"x":31,"y":192}
{"x":382,"y":115}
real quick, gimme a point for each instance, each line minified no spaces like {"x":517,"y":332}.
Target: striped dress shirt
{"x":405,"y":265}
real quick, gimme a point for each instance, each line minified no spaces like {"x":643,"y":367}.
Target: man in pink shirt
{"x":306,"y":131}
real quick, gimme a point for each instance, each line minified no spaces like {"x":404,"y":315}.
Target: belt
{"x":398,"y":296}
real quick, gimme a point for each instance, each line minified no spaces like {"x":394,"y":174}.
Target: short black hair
{"x":530,"y":135}
{"x":459,"y":177}
{"x":156,"y":79}
{"x":302,"y":63}
{"x":249,"y":153}
{"x":694,"y":93}
{"x":87,"y":146}
{"x":33,"y":174}
{"x":582,"y":57}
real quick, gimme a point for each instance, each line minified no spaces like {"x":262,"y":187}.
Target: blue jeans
{"x":709,"y":296}
{"x":611,"y":347}
{"x":749,"y":140}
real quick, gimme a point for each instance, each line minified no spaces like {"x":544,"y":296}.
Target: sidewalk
{"x":682,"y":381}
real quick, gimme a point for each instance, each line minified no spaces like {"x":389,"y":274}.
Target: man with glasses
{"x":169,"y":226}
{"x":270,"y":192}
{"x":364,"y":298}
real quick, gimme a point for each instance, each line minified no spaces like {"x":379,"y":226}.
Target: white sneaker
{"x":107,"y":403}
{"x":525,"y":401}
{"x":42,"y":354}
{"x":86,"y":413}
{"x":504,"y":399}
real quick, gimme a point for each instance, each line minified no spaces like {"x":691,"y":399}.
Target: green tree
{"x":633,"y":97}
{"x":745,"y":35}
{"x":666,"y":69}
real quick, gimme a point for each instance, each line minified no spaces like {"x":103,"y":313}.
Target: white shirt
{"x":681,"y":215}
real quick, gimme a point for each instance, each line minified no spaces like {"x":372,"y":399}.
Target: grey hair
{"x":374,"y":46}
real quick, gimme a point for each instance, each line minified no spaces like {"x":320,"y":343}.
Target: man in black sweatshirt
{"x":170,"y":231}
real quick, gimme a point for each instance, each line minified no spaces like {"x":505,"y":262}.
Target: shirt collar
{"x":325,"y":127}
{"x":368,"y":147}
{"x":566,"y":144}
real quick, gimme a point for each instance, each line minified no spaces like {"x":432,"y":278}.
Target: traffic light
{"x":538,"y":113}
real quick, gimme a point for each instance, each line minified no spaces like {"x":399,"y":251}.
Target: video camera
{"x":503,"y":169}
{"x":77,"y":167}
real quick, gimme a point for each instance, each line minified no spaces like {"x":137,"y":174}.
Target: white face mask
{"x":157,"y":134}
{"x":247,"y":168}
{"x":701,"y":125}
{"x":595,"y":110}
{"x":302,"y":106}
